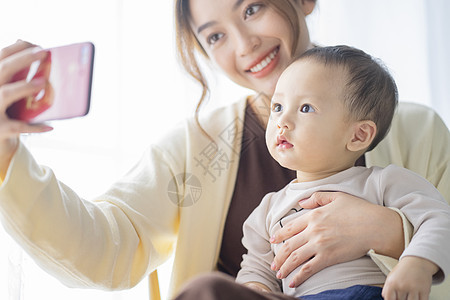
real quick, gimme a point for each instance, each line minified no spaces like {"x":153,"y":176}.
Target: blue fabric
{"x":363,"y":292}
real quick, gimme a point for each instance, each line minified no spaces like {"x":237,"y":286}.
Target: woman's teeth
{"x":264,"y":62}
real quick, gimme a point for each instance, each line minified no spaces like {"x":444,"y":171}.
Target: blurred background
{"x":139,"y":91}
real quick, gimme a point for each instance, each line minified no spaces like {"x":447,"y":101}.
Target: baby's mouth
{"x":283,"y":143}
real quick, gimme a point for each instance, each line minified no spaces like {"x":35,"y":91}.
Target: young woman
{"x":189,"y":194}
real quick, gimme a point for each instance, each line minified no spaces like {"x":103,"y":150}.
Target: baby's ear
{"x":362,"y":135}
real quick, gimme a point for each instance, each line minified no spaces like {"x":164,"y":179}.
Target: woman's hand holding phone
{"x":14,"y":59}
{"x":28,"y":108}
{"x":38,"y":85}
{"x":67,"y":71}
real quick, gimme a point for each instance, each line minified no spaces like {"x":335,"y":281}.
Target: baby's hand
{"x":410,"y":279}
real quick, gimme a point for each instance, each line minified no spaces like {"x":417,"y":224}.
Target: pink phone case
{"x":69,"y":69}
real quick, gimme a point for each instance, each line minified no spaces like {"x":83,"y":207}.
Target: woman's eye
{"x":276,"y":107}
{"x":306,"y":108}
{"x":213,"y":38}
{"x":252,"y":9}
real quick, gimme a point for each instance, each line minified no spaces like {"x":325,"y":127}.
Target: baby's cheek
{"x":271,"y":127}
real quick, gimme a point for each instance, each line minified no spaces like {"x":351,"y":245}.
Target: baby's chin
{"x":284,"y":163}
{"x":288,"y":166}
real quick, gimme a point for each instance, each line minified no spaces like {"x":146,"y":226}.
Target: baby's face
{"x":308,"y":129}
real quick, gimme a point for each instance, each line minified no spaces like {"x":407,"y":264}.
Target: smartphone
{"x":69,"y":71}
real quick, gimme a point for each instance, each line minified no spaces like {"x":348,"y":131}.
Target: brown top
{"x":258,"y":174}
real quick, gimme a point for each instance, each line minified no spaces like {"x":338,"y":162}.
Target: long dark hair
{"x":188,"y":45}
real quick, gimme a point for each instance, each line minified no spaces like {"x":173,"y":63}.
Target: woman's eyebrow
{"x":237,"y":4}
{"x":208,"y":24}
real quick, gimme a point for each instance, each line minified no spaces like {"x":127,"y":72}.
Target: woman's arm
{"x":343,"y":229}
{"x":419,"y":141}
{"x":109,"y":243}
{"x":13,"y":59}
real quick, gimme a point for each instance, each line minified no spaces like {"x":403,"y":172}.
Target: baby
{"x":330,"y":106}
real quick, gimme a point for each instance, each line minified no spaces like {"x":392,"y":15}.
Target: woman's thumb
{"x":317,"y":199}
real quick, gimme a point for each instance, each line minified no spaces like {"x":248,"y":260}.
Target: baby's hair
{"x":371,"y":92}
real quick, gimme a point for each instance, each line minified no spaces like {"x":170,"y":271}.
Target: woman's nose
{"x":246,"y":42}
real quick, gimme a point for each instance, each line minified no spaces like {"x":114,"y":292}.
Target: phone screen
{"x":69,"y":70}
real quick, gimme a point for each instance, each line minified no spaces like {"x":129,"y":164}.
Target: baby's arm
{"x":255,"y":266}
{"x":410,"y":279}
{"x":257,"y":286}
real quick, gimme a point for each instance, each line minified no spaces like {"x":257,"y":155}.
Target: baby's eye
{"x":306,"y":108}
{"x":213,"y":38}
{"x":277,"y":107}
{"x":252,"y":9}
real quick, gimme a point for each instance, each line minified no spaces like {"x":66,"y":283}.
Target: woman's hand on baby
{"x":13,"y":59}
{"x":411,"y":279}
{"x":344,"y":229}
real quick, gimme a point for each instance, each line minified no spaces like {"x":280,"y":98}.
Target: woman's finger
{"x":399,"y":295}
{"x":285,"y":251}
{"x":310,"y":268}
{"x":14,"y":48}
{"x":12,"y":128}
{"x":295,"y":259}
{"x":17,"y":61}
{"x":319,"y":199}
{"x":290,"y":229}
{"x":10,"y":93}
{"x":414,"y":296}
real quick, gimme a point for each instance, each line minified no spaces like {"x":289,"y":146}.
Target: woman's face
{"x":248,"y":39}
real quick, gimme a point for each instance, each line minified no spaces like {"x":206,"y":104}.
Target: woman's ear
{"x":362,"y":136}
{"x":308,"y":6}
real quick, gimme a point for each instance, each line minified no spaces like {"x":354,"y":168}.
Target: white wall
{"x":410,"y":36}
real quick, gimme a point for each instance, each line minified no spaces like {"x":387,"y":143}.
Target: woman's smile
{"x":243,"y":41}
{"x":266,"y":64}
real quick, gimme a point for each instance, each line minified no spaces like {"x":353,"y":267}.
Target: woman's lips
{"x":265,"y":64}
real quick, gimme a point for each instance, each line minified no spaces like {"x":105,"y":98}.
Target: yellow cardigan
{"x":174,"y":200}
